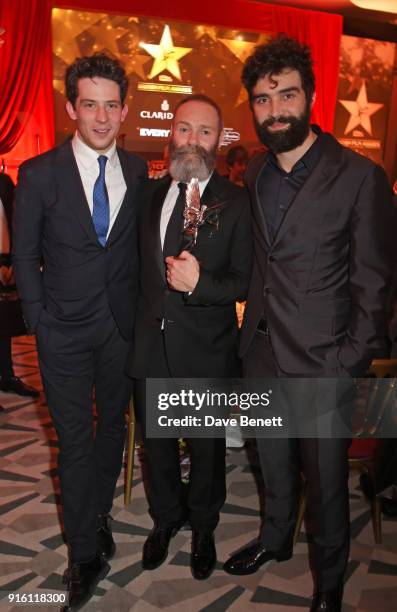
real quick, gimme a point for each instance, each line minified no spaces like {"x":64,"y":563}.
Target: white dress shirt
{"x":87,"y":163}
{"x":169,"y":203}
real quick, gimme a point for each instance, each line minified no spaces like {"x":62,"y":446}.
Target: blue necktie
{"x":100,"y":212}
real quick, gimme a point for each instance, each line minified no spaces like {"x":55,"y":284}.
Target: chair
{"x":130,"y":448}
{"x":373,"y":397}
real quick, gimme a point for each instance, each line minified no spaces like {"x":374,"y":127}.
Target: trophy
{"x":196,"y":214}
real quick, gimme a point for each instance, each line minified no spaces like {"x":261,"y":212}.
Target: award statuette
{"x":196,"y":214}
{"x":192,"y":215}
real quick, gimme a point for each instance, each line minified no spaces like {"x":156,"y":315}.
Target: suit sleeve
{"x":28,"y":227}
{"x":371,"y":262}
{"x":231,"y":285}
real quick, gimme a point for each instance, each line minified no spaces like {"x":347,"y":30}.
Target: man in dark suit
{"x":316,"y":303}
{"x":186,"y":323}
{"x":75,"y":255}
{"x":11,"y":322}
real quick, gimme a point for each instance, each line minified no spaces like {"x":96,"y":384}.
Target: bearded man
{"x":316,"y":307}
{"x":186,"y":324}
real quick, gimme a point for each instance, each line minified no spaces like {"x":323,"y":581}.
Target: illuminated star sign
{"x":360,"y":111}
{"x":165,"y":55}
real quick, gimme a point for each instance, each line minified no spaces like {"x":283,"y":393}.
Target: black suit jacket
{"x":200,"y":331}
{"x":322,"y":284}
{"x":53,"y":226}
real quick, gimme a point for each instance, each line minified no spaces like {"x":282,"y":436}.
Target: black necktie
{"x":173,"y":235}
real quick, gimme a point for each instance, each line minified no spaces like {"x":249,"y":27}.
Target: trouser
{"x":6,"y":369}
{"x":169,"y":504}
{"x":324,"y":463}
{"x":90,"y":458}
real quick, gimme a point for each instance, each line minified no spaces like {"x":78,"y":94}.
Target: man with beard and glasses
{"x":186,"y":324}
{"x":316,"y":303}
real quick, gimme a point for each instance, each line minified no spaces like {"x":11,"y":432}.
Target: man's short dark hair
{"x":201,"y":98}
{"x":239,"y":153}
{"x":98,"y":65}
{"x":273,"y":57}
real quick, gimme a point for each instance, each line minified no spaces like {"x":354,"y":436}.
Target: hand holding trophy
{"x":196,"y":214}
{"x":183,"y":271}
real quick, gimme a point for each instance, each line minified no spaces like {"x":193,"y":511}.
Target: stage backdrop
{"x":165,"y":61}
{"x":320,"y":30}
{"x":364,"y":95}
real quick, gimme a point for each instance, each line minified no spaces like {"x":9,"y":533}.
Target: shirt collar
{"x":88,"y":157}
{"x":202,"y":184}
{"x":310,"y":158}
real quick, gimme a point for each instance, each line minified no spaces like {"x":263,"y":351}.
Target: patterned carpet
{"x":33,"y":554}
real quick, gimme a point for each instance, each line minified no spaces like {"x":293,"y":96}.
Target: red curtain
{"x":26,"y":72}
{"x":322,"y":32}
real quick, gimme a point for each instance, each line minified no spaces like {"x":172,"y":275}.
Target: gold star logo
{"x":360,"y":111}
{"x":165,"y":55}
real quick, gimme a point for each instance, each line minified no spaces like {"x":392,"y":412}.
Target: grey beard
{"x":190,"y":162}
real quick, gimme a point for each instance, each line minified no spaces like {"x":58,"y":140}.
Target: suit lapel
{"x":71,"y":186}
{"x":315,"y":188}
{"x":254,"y":172}
{"x":212,"y":194}
{"x":128,"y":200}
{"x":154,"y":222}
{"x":257,"y":208}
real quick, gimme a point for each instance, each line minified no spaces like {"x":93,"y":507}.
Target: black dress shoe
{"x":328,"y":601}
{"x":15,"y":385}
{"x":105,"y":543}
{"x":203,"y":557}
{"x":250,"y":559}
{"x":155,"y":549}
{"x":82,"y":581}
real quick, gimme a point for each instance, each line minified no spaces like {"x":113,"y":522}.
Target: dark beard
{"x":284,"y":140}
{"x":191,"y":161}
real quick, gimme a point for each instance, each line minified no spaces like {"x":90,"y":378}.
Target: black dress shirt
{"x":277,"y":189}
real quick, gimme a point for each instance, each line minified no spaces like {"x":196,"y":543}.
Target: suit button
{"x":272,"y":258}
{"x":267,"y":290}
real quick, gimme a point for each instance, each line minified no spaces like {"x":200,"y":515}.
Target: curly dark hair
{"x":97,"y":65}
{"x":273,"y":57}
